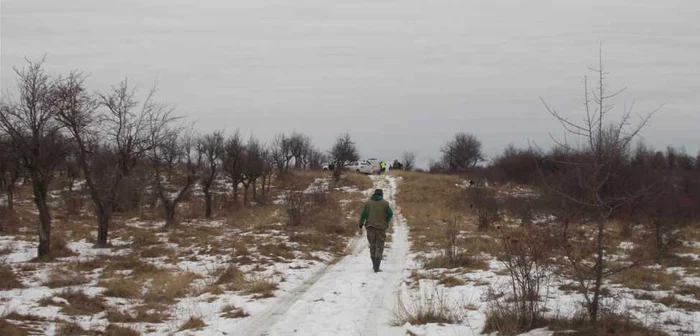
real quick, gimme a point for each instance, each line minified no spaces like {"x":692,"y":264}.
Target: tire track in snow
{"x":345,"y":298}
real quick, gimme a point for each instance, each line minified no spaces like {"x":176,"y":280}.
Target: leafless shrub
{"x":433,"y":307}
{"x":526,"y":255}
{"x":297,"y":204}
{"x":485,"y":205}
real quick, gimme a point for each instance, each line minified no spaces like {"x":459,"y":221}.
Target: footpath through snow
{"x":346,"y":298}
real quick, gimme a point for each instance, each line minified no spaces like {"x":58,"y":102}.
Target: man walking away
{"x":382,"y":167}
{"x":376,"y":215}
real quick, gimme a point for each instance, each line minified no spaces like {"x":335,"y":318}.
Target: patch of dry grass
{"x":71,"y":329}
{"x":193,"y":323}
{"x":59,"y":277}
{"x":80,"y":303}
{"x":116,"y":330}
{"x":672,"y":301}
{"x":451,"y":281}
{"x":462,"y":260}
{"x":232,"y":278}
{"x":8,"y":277}
{"x":122,"y":288}
{"x":354,"y":180}
{"x":646,"y":278}
{"x":426,"y":200}
{"x":166,"y":287}
{"x":232,"y":312}
{"x":144,"y":314}
{"x":429,"y":308}
{"x":262,"y":287}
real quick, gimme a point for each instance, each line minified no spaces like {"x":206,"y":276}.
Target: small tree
{"x":343,"y":151}
{"x":281,"y":152}
{"x":234,"y":162}
{"x":210,"y":150}
{"x":593,"y":171}
{"x":109,"y":139}
{"x":300,"y":148}
{"x":175,"y":167}
{"x":29,"y":122}
{"x":253,"y":167}
{"x":462,"y":153}
{"x":409,"y":161}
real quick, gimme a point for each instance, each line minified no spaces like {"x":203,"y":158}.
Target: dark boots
{"x":375,"y":264}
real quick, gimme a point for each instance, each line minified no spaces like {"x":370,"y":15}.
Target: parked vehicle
{"x":362,"y":167}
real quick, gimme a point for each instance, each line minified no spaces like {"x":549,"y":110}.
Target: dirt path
{"x":346,"y":298}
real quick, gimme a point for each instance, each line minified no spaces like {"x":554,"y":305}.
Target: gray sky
{"x":396,"y":75}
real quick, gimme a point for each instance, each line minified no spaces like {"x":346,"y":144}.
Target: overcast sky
{"x":397,"y":75}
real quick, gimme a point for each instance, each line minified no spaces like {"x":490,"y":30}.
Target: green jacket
{"x":376,"y":213}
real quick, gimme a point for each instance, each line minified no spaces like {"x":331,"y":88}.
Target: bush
{"x":485,"y":205}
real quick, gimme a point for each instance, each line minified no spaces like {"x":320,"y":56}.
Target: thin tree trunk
{"x":169,"y":214}
{"x":255,"y":192}
{"x":245,"y":193}
{"x":10,"y":197}
{"x":207,"y":203}
{"x":44,"y":221}
{"x":235,"y":192}
{"x":595,"y":304}
{"x":103,"y":218}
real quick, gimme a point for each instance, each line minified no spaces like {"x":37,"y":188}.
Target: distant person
{"x":382,"y":167}
{"x":376,"y":215}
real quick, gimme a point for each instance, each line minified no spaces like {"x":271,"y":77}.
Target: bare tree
{"x":233,"y":161}
{"x":315,"y":159}
{"x":10,"y":169}
{"x":409,"y":160}
{"x":253,"y":167}
{"x":343,"y":151}
{"x":175,"y":167}
{"x":281,"y":153}
{"x":210,"y":148}
{"x":594,"y":170}
{"x":299,"y":147}
{"x":110,"y":141}
{"x":462,"y":153}
{"x":29,"y":122}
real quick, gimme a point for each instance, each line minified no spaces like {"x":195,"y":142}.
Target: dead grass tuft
{"x":672,"y":301}
{"x":232,"y":277}
{"x":262,"y":287}
{"x":80,"y":303}
{"x":59,"y":247}
{"x":646,"y":278}
{"x":607,"y":325}
{"x":462,"y":260}
{"x":232,"y":312}
{"x":8,"y":277}
{"x":354,"y":180}
{"x":121,"y":288}
{"x":115,"y":330}
{"x":429,"y":308}
{"x":71,"y":328}
{"x":193,"y":323}
{"x":451,"y":281}
{"x":59,"y":277}
{"x":166,"y":287}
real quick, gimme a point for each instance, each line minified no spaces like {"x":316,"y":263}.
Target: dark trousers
{"x":376,"y":238}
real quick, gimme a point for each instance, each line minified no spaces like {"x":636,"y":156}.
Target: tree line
{"x":124,"y":149}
